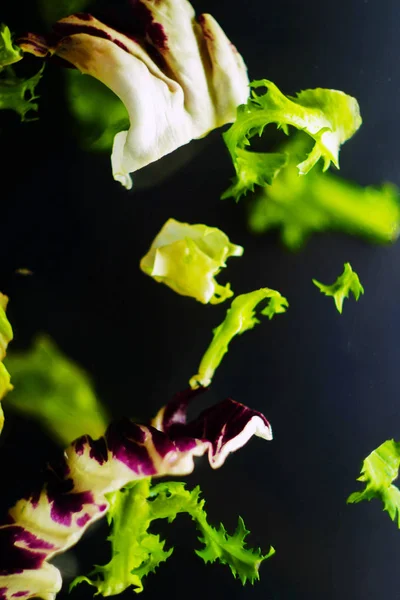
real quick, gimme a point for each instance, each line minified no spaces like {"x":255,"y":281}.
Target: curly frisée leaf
{"x":51,"y":388}
{"x":329,"y":117}
{"x":347,"y":282}
{"x":136,"y":552}
{"x":240,"y":317}
{"x":188,"y":257}
{"x":6,"y":335}
{"x":18,"y":93}
{"x":75,"y":493}
{"x":378,"y":472}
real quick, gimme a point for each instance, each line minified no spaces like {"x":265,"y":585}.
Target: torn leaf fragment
{"x":378,"y":472}
{"x":187,"y":259}
{"x":329,"y":117}
{"x":240,"y":317}
{"x":347,"y":282}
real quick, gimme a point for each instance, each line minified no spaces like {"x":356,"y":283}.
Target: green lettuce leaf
{"x":16,"y":93}
{"x":301,"y":205}
{"x":51,"y":388}
{"x":347,"y":282}
{"x":378,"y":472}
{"x":240,"y":317}
{"x":136,"y":552}
{"x":6,"y":335}
{"x":98,"y":112}
{"x":329,"y":117}
{"x":9,"y":53}
{"x":188,"y":257}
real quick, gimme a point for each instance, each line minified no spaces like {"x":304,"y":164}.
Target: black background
{"x":328,"y":383}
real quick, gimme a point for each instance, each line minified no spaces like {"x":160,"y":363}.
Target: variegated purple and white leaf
{"x":179,"y":79}
{"x":52,"y":519}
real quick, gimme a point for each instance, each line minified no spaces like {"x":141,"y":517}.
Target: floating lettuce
{"x":51,"y":388}
{"x":136,"y":552}
{"x":329,"y":117}
{"x":378,"y":472}
{"x":9,"y":53}
{"x":240,"y":317}
{"x":98,"y":112}
{"x":50,"y":520}
{"x":6,"y":335}
{"x":188,"y":257}
{"x":300,"y":206}
{"x":16,"y":93}
{"x":344,"y":284}
{"x":178,"y":78}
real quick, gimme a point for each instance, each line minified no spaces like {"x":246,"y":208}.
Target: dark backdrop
{"x":328,"y":383}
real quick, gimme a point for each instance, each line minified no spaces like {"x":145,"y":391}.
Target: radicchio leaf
{"x":190,"y":82}
{"x":51,"y":520}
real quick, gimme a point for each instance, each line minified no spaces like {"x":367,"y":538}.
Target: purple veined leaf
{"x":50,"y":520}
{"x":179,"y":78}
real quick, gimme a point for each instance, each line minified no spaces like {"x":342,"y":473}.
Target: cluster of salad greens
{"x":140,"y":111}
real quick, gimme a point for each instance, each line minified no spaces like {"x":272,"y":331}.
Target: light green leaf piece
{"x":344,"y":284}
{"x":18,"y":93}
{"x":329,"y":117}
{"x":6,"y":335}
{"x":98,"y":112}
{"x":240,"y":317}
{"x":188,"y":257}
{"x":299,"y":206}
{"x":9,"y":53}
{"x":51,"y":388}
{"x":378,"y":472}
{"x":136,"y":552}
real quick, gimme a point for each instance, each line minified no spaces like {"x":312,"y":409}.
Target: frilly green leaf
{"x":344,"y":284}
{"x":329,"y":117}
{"x":378,"y":472}
{"x":240,"y":317}
{"x":136,"y":552}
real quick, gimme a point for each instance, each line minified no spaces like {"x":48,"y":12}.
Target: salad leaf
{"x":6,"y":335}
{"x":329,"y":117}
{"x":50,"y":520}
{"x":188,"y":257}
{"x":98,"y":112}
{"x":299,"y":206}
{"x":347,"y":282}
{"x":16,"y":93}
{"x":52,"y":389}
{"x":178,"y":78}
{"x":240,"y":317}
{"x":9,"y":52}
{"x":136,"y":552}
{"x":378,"y":472}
